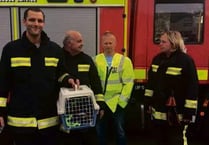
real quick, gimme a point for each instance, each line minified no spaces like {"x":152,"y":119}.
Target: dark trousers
{"x":118,"y":126}
{"x":36,"y":138}
{"x":164,"y":134}
{"x":78,"y":137}
{"x":6,"y":138}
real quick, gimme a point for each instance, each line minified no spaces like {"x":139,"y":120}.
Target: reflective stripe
{"x":62,"y":77}
{"x":191,"y":104}
{"x":184,"y":135}
{"x":3,"y":102}
{"x":124,"y":99}
{"x":163,"y":116}
{"x":32,"y":122}
{"x":159,"y":115}
{"x":48,"y":122}
{"x":99,"y":97}
{"x":22,"y":122}
{"x":148,"y":92}
{"x":120,"y":69}
{"x":51,"y":61}
{"x":127,"y":80}
{"x":173,"y":71}
{"x":154,"y":67}
{"x":83,"y":67}
{"x":20,"y":61}
{"x":111,"y":82}
{"x":120,"y":66}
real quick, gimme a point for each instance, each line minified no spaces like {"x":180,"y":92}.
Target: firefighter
{"x":82,"y":67}
{"x":202,"y":123}
{"x":116,"y":74}
{"x":172,"y":90}
{"x":31,"y":69}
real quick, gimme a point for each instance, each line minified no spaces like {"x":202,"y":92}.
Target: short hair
{"x":35,"y":9}
{"x":107,"y":33}
{"x":66,"y":39}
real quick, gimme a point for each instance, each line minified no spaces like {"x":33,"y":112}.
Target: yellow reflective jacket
{"x":117,"y":80}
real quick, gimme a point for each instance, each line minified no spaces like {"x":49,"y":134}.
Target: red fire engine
{"x":136,"y":24}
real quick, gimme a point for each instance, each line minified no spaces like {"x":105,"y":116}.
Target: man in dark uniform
{"x":31,"y":69}
{"x":82,"y":67}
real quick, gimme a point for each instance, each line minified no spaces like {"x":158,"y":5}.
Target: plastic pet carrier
{"x":77,"y":108}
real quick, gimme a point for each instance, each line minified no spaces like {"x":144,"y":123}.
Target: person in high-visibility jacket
{"x":117,"y":75}
{"x":31,"y":69}
{"x":172,"y":90}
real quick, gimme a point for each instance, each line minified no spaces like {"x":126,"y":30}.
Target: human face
{"x":165,"y":45}
{"x":75,"y":44}
{"x":109,"y":44}
{"x":34,"y":24}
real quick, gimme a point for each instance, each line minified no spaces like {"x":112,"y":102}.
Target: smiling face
{"x":34,"y":23}
{"x":73,"y":42}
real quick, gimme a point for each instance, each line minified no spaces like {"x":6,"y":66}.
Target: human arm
{"x":5,"y":82}
{"x":64,"y":77}
{"x":2,"y":124}
{"x":127,"y":80}
{"x":96,"y":85}
{"x":149,"y":88}
{"x":190,"y":107}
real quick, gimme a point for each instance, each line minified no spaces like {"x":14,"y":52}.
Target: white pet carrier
{"x":77,"y":108}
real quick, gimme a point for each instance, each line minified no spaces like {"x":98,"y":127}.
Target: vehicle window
{"x":185,"y":17}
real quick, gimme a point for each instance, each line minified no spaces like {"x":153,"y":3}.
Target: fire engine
{"x":136,"y":24}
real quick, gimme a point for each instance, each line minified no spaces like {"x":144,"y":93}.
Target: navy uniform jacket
{"x":82,"y":67}
{"x":173,"y":76}
{"x":30,"y":76}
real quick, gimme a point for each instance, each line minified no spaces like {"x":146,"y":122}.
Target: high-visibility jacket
{"x":174,"y":76}
{"x":31,"y":75}
{"x":117,"y":80}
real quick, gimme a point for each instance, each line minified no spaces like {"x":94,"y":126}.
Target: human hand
{"x":1,"y":124}
{"x":77,"y":81}
{"x":101,"y":114}
{"x":149,"y":110}
{"x":74,"y":84}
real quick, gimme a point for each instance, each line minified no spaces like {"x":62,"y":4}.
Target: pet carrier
{"x":77,"y":108}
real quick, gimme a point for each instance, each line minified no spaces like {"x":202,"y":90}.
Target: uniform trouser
{"x":36,"y":138}
{"x":6,"y":138}
{"x":78,"y":137}
{"x":118,"y":124}
{"x":164,"y":134}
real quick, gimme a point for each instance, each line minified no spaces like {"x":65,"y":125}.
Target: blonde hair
{"x":176,"y":40}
